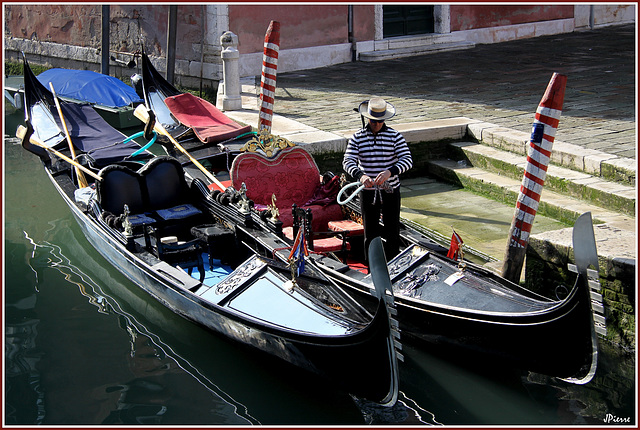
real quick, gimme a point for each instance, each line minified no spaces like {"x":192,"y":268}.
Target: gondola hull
{"x":556,"y":341}
{"x":305,"y":320}
{"x":337,"y":358}
{"x":480,"y":313}
{"x":475,"y":313}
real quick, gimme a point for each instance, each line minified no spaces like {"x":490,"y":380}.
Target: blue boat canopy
{"x":90,"y":86}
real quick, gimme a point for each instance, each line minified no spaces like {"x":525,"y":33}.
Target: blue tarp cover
{"x":90,"y":86}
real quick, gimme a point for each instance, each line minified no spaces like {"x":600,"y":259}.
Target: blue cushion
{"x":178,"y":212}
{"x":140,"y":219}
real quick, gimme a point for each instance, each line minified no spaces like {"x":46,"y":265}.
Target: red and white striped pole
{"x":540,"y":147}
{"x":268,"y":81}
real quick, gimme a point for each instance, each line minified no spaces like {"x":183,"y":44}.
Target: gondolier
{"x":375,"y":156}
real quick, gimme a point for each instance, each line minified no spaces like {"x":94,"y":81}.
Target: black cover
{"x":155,"y":87}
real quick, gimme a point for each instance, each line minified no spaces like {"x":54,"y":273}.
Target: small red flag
{"x":454,"y":248}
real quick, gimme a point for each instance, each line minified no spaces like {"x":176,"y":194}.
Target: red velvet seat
{"x":346,"y":226}
{"x":320,"y":242}
{"x":292,"y":175}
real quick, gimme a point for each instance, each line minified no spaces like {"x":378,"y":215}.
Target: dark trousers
{"x":373,"y":204}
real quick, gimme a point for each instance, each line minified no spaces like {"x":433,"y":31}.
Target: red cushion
{"x":351,"y":228}
{"x":207,"y":121}
{"x":288,"y":232}
{"x":327,"y":244}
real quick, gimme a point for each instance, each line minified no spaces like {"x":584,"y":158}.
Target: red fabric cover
{"x":206,"y":120}
{"x":327,"y":244}
{"x":321,"y":215}
{"x":215,"y":186}
{"x":292,"y":175}
{"x":351,"y":228}
{"x":326,"y":194}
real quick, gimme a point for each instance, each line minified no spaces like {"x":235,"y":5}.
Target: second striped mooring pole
{"x":539,"y":152}
{"x":268,"y":80}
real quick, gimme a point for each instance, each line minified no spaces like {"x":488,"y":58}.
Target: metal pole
{"x":352,"y":39}
{"x":105,"y":39}
{"x":171,"y":42}
{"x":204,"y":36}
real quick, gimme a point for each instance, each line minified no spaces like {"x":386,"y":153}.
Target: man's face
{"x":376,"y":126}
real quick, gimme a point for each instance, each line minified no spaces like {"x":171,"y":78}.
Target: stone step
{"x":387,"y":54}
{"x":504,"y":189}
{"x":591,"y":161}
{"x":592,"y":189}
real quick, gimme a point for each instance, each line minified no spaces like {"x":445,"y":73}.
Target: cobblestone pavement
{"x":499,"y":83}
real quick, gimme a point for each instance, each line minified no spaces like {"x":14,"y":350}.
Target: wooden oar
{"x":143,"y":115}
{"x":22,"y":132}
{"x":82,"y":181}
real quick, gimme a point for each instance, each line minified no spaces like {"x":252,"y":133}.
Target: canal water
{"x":84,"y":347}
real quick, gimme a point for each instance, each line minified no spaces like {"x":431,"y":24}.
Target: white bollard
{"x":229,"y":90}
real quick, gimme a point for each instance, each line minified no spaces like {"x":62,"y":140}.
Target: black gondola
{"x":463,"y":309}
{"x":453,"y":307}
{"x":156,"y":225}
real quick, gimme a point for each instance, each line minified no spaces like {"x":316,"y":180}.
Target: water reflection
{"x":152,"y":374}
{"x":22,"y":378}
{"x":161,"y":375}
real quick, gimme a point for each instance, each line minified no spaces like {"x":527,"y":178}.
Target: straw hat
{"x":377,"y":109}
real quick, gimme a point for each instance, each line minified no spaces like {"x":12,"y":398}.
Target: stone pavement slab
{"x":498,"y":83}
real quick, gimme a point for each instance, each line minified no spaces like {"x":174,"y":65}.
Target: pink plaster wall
{"x":79,"y":25}
{"x":300,"y":25}
{"x":468,"y":17}
{"x":364,"y":22}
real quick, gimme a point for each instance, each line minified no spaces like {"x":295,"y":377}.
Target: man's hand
{"x":382,"y":177}
{"x":366,"y":181}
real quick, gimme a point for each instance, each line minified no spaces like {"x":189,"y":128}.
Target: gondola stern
{"x":588,"y":281}
{"x":384,"y":292}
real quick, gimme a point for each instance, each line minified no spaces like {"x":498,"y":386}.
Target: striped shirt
{"x":369,"y":154}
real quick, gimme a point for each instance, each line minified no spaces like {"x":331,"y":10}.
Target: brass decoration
{"x":244,"y":201}
{"x":275,"y":213}
{"x":126,"y":224}
{"x":267,"y":143}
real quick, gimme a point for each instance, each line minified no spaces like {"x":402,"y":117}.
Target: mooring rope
{"x":377,"y":188}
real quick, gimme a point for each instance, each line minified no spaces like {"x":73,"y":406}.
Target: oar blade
{"x":584,"y":244}
{"x":378,"y":268}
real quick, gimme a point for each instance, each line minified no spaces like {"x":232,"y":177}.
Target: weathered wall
{"x":546,"y":267}
{"x":608,"y":14}
{"x":312,"y":35}
{"x":300,"y":26}
{"x":364,"y":22}
{"x":469,"y":17}
{"x":79,"y":25}
{"x":130,"y":25}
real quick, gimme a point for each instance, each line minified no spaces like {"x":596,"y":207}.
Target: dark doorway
{"x":406,"y":20}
